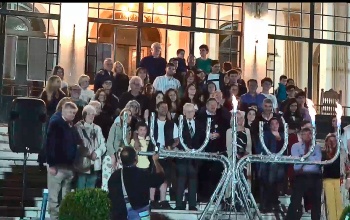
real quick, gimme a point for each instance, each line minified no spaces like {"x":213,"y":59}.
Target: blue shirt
{"x":298,"y":150}
{"x":248,"y":99}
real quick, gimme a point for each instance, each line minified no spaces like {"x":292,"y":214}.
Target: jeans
{"x":86,"y":180}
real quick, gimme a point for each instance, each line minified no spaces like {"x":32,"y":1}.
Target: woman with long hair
{"x":292,"y":115}
{"x":171,"y":97}
{"x":190,"y":78}
{"x":120,"y":83}
{"x":59,"y":71}
{"x":143,"y":74}
{"x":191,"y":95}
{"x":52,"y":94}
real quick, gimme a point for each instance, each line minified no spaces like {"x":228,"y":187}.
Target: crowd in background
{"x":198,"y":88}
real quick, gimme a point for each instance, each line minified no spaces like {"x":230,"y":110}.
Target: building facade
{"x":305,"y":41}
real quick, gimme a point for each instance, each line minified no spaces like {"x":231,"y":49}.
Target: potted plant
{"x":345,"y":214}
{"x":85,"y":204}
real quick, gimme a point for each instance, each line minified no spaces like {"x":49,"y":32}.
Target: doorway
{"x":119,"y":42}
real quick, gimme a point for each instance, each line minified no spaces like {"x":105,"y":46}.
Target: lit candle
{"x":234,"y":103}
{"x":312,"y":111}
{"x":339,"y":113}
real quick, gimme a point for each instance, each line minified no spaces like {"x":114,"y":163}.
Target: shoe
{"x":165,"y":205}
{"x":154,"y":205}
{"x":192,"y":208}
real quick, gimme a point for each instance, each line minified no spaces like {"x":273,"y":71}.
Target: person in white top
{"x":163,"y":83}
{"x":88,"y":161}
{"x":86,"y":94}
{"x":266,"y":84}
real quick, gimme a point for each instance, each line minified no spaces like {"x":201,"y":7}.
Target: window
{"x":177,"y":13}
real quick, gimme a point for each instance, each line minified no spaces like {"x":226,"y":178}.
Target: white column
{"x":326,"y":50}
{"x":72,"y":46}
{"x":255,"y":45}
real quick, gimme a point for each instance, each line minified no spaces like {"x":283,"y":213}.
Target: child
{"x":141,"y":130}
{"x":181,"y":61}
{"x":86,"y":94}
{"x":203,"y":62}
{"x":281,"y":92}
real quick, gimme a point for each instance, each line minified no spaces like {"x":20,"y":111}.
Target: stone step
{"x":13,"y":191}
{"x":182,"y":215}
{"x":16,"y":181}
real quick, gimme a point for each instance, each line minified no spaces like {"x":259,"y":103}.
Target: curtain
{"x":292,"y":55}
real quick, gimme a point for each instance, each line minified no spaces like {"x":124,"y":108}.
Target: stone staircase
{"x":11,"y":170}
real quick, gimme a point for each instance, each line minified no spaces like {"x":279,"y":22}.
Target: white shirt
{"x":87,"y":95}
{"x":215,"y":78}
{"x":161,"y":138}
{"x":273,"y":99}
{"x":164,"y":83}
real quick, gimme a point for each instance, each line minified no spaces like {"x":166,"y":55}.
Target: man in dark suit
{"x":186,"y":168}
{"x":210,"y":172}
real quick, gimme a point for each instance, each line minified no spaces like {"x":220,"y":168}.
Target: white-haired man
{"x":104,"y":74}
{"x":134,"y":93}
{"x":61,"y":148}
{"x":155,"y":64}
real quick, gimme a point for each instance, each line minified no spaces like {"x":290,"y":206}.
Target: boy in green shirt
{"x":203,"y":62}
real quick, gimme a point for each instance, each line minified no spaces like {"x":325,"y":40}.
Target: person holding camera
{"x":129,"y":187}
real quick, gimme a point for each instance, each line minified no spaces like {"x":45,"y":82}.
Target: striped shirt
{"x":164,"y":83}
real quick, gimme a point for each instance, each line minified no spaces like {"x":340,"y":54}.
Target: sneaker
{"x":165,"y":205}
{"x":154,"y":205}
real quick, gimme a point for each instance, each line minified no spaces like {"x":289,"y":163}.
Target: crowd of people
{"x":85,"y":134}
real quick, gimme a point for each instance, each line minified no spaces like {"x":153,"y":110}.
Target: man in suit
{"x":186,"y":168}
{"x":210,"y":172}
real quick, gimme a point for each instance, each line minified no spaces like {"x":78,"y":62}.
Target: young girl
{"x":141,"y":129}
{"x":86,"y":94}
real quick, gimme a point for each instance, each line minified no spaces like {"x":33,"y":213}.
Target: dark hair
{"x":211,"y":99}
{"x":290,"y":87}
{"x":227,"y":66}
{"x":128,"y":156}
{"x":214,"y":62}
{"x":231,"y":72}
{"x":140,"y":124}
{"x":272,"y":119}
{"x":290,"y":79}
{"x":179,"y":51}
{"x":305,"y":130}
{"x":161,"y":103}
{"x":303,"y":123}
{"x":266,"y":79}
{"x":55,"y":70}
{"x":283,"y":77}
{"x":204,"y":46}
{"x":299,"y":94}
{"x":170,"y":64}
{"x":252,"y":80}
{"x":173,"y":59}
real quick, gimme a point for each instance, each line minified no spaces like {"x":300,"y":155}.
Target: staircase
{"x":11,"y":170}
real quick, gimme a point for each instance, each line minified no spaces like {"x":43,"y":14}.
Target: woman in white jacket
{"x":88,"y":161}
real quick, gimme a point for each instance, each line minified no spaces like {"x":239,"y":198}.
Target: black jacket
{"x":61,"y":142}
{"x":196,"y":141}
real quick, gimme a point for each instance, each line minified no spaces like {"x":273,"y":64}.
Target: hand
{"x":53,"y":171}
{"x":169,"y":148}
{"x":93,"y":156}
{"x":137,"y":148}
{"x":155,"y":157}
{"x":146,"y":115}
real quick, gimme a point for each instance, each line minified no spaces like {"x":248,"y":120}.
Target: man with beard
{"x":166,"y":82}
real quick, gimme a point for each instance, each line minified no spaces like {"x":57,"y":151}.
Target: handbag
{"x":139,"y":214}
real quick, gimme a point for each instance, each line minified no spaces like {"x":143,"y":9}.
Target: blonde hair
{"x":49,"y":86}
{"x":82,"y":77}
{"x":133,"y":104}
{"x":70,"y":105}
{"x":240,"y":114}
{"x":114,"y":69}
{"x":94,"y":103}
{"x":121,"y":115}
{"x":63,"y":101}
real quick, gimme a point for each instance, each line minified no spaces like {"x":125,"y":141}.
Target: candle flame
{"x":339,"y":113}
{"x":234,"y":103}
{"x":312,"y":110}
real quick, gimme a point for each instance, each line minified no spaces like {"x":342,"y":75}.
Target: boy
{"x":181,"y":60}
{"x":203,"y":62}
{"x":141,"y":130}
{"x":281,"y":92}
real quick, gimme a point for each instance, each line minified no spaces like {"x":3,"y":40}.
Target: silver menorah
{"x":247,"y":196}
{"x":191,"y":154}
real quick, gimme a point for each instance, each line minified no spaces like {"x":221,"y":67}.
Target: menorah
{"x":248,"y":200}
{"x":188,"y":153}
